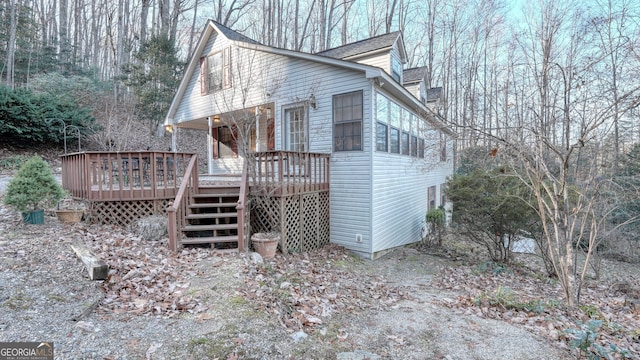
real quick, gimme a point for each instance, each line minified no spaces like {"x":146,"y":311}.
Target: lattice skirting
{"x":302,"y":219}
{"x":125,"y":212}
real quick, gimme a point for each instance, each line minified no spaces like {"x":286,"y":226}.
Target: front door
{"x":296,"y":129}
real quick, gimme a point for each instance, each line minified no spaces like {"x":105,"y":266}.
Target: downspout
{"x":209,"y":146}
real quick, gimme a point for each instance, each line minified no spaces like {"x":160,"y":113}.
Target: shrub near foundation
{"x":34,"y":187}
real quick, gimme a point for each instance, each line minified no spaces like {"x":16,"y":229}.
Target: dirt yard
{"x":322,"y":305}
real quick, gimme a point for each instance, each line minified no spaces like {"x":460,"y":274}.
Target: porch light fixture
{"x":312,"y":102}
{"x":216,"y":119}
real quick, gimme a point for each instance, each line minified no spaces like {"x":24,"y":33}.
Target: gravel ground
{"x":44,"y":287}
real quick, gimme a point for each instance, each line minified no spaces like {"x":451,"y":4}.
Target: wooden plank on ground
{"x":98,"y":269}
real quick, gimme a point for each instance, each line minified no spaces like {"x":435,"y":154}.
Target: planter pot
{"x":265,"y":244}
{"x":33,"y":217}
{"x":70,"y":216}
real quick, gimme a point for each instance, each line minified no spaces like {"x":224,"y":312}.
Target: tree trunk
{"x":119,"y":38}
{"x":13,"y":26}
{"x":63,"y":32}
{"x":165,"y":16}
{"x":193,"y":26}
{"x":144,"y":15}
{"x":322,"y":25}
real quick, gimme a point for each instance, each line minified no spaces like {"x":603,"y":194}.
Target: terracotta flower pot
{"x":265,"y":244}
{"x":69,"y":216}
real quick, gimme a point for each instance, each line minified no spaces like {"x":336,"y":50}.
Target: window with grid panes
{"x":219,"y":70}
{"x":382,"y":143}
{"x":405,"y":143}
{"x":382,"y":117}
{"x":347,"y":121}
{"x":414,"y":145}
{"x":394,"y":141}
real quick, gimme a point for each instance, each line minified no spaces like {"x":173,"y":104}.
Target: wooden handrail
{"x":123,"y":175}
{"x":178,"y":208}
{"x":282,"y":172}
{"x":243,"y":209}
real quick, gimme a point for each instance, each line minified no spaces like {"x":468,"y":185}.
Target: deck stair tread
{"x":209,"y":240}
{"x":209,"y":227}
{"x":219,"y":186}
{"x":215,"y":195}
{"x":211,"y":215}
{"x":212,"y":205}
{"x":211,"y":209}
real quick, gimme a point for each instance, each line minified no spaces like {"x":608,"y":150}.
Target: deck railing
{"x":129,"y":175}
{"x":287,"y":172}
{"x":177,"y":210}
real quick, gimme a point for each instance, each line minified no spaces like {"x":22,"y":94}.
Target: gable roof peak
{"x":232,"y":34}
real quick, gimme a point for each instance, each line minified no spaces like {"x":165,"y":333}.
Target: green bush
{"x":26,"y":118}
{"x":491,"y":207}
{"x":33,"y":187}
{"x":436,"y":220}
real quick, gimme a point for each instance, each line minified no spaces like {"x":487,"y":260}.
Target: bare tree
{"x":614,"y":43}
{"x":566,"y":118}
{"x":11,"y":49}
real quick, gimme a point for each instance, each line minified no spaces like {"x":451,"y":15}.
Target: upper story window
{"x":347,"y":121}
{"x":396,"y":69}
{"x":215,"y":71}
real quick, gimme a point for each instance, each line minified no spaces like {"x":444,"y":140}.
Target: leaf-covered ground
{"x":606,"y":323}
{"x":202,"y":305}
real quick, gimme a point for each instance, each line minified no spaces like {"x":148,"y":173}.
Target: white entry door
{"x":296,"y":129}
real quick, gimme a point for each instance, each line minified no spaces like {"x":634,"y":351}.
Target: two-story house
{"x":390,"y":153}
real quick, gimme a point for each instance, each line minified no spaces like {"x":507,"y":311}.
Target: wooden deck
{"x":288,"y":191}
{"x":111,"y":176}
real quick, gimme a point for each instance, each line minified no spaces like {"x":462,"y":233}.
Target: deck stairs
{"x":212,"y":217}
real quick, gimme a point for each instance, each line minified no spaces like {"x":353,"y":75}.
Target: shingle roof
{"x":233,"y":35}
{"x":362,"y":46}
{"x":414,"y":74}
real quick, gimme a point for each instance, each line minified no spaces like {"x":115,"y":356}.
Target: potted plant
{"x":265,"y":244}
{"x":31,"y":189}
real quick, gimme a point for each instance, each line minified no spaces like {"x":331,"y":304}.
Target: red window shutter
{"x":214,"y":143}
{"x":271,"y":134}
{"x":203,"y":75}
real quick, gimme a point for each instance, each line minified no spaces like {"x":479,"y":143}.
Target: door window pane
{"x":296,"y":129}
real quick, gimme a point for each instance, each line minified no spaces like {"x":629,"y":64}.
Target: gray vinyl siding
{"x":379,"y":60}
{"x":194,"y":105}
{"x":399,"y":193}
{"x":399,"y":201}
{"x":414,"y":89}
{"x":351,"y":179}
